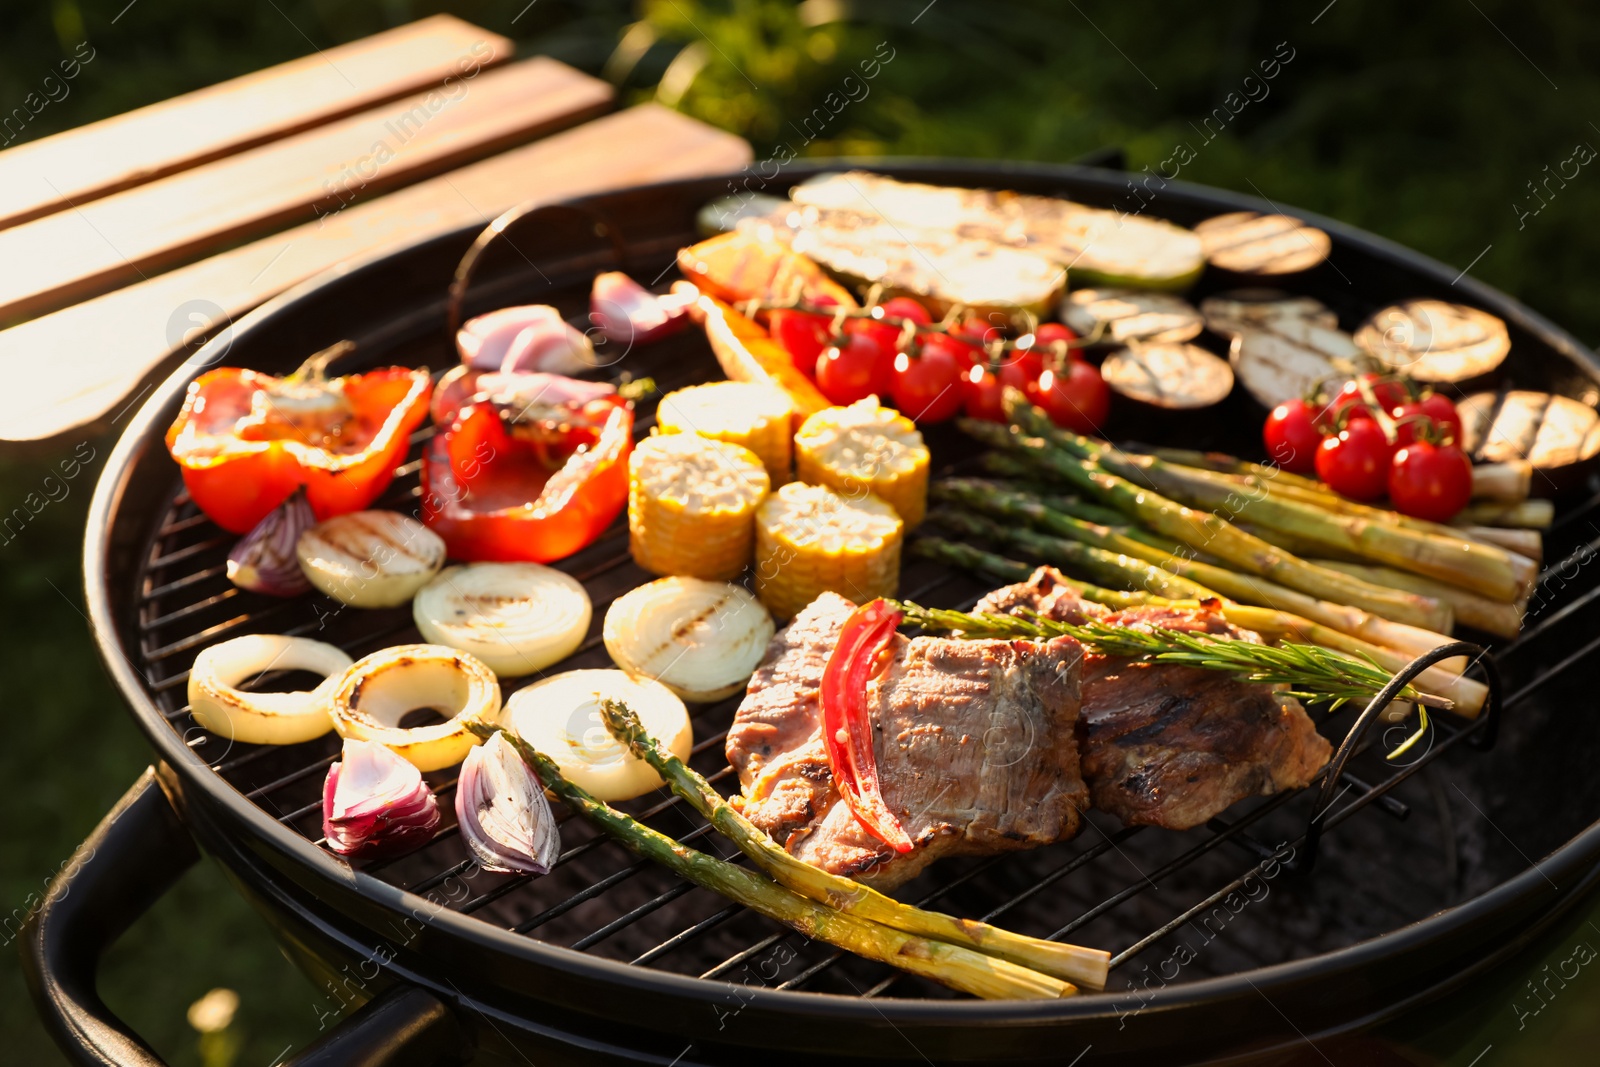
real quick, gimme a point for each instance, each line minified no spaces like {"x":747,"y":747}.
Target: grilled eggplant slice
{"x":1435,"y":341}
{"x":1558,"y":435}
{"x":1229,"y":313}
{"x":937,"y":267}
{"x":1100,"y":247}
{"x":1126,"y":316}
{"x":1282,"y":345}
{"x":1246,"y":242}
{"x":1171,"y":376}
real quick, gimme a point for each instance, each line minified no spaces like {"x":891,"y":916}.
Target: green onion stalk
{"x":952,"y":965}
{"x":1053,"y":515}
{"x":1082,"y":966}
{"x":1342,"y":526}
{"x":1211,"y":534}
{"x":1158,"y":587}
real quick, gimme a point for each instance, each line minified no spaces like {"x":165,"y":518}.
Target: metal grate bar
{"x":583,"y":895}
{"x":633,"y":916}
{"x":688,"y":934}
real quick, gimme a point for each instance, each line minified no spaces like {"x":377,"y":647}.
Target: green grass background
{"x":1423,"y":122}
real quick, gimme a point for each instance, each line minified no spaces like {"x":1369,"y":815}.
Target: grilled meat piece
{"x":974,"y":742}
{"x":1045,"y":592}
{"x":1172,"y":746}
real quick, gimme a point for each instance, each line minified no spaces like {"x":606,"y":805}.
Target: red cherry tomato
{"x":903,"y":307}
{"x":1388,"y":391}
{"x":1433,"y":411}
{"x":1430,"y":481}
{"x":852,"y":370}
{"x":885,"y":335}
{"x":978,"y":330}
{"x":981,"y":394}
{"x":1074,"y":396}
{"x":926,"y":386}
{"x":803,"y":335}
{"x":965,"y":354}
{"x":1355,"y":461}
{"x":1292,"y":437}
{"x":1051,"y":332}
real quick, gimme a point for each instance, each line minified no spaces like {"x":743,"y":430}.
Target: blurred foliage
{"x":1423,"y":122}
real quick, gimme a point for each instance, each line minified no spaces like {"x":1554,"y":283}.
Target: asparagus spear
{"x":1107,"y":566}
{"x":1450,"y":557}
{"x":1527,"y":514}
{"x":1492,"y":616}
{"x":953,"y":965}
{"x":1086,"y":967}
{"x":1444,"y":680}
{"x":1529,"y":543}
{"x":1504,"y":482}
{"x":1051,"y":515}
{"x":1526,"y":543}
{"x":1214,"y":535}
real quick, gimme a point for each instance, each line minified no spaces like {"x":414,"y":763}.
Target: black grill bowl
{"x":1425,"y":876}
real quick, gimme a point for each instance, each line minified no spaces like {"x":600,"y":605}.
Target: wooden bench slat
{"x":80,"y":165}
{"x":65,"y":257}
{"x":73,"y":366}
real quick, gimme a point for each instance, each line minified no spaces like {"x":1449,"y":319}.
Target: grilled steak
{"x":1172,"y":746}
{"x":974,"y":743}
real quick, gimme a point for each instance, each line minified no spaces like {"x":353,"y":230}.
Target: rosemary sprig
{"x":1312,"y":673}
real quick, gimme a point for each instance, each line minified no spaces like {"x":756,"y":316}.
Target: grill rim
{"x":1533,"y":887}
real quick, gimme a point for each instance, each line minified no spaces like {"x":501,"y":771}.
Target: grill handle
{"x":138,"y":852}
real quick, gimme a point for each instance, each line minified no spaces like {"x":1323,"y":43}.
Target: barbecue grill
{"x":1238,"y":940}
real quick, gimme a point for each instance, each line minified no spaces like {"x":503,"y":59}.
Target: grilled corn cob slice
{"x":692,"y":504}
{"x":866,"y":448}
{"x":740,"y":413}
{"x":811,"y":539}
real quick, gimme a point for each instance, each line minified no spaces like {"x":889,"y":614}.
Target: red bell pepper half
{"x":246,"y":440}
{"x":532,"y":471}
{"x":846,"y":725}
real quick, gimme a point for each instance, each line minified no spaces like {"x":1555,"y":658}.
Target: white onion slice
{"x":370,"y":559}
{"x":560,"y":717}
{"x":264,"y":718}
{"x":700,"y":639}
{"x":516,"y":617}
{"x":505,"y":820}
{"x":379,"y":690}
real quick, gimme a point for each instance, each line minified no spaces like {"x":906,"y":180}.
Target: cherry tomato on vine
{"x":1074,"y":395}
{"x":978,"y":330}
{"x":803,"y":335}
{"x":1442,"y":413}
{"x":926,"y":386}
{"x":982,"y":394}
{"x":1355,"y":461}
{"x":963,"y":353}
{"x":903,"y":307}
{"x":885,"y":335}
{"x":854,"y":369}
{"x":1349,"y":403}
{"x":1429,"y":481}
{"x":1292,"y":437}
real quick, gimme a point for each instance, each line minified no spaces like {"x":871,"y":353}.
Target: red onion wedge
{"x":627,"y":312}
{"x":529,"y":337}
{"x":375,"y":803}
{"x":264,"y":561}
{"x":505,"y":819}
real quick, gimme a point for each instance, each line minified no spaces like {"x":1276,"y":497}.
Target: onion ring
{"x":379,"y":690}
{"x":264,"y":718}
